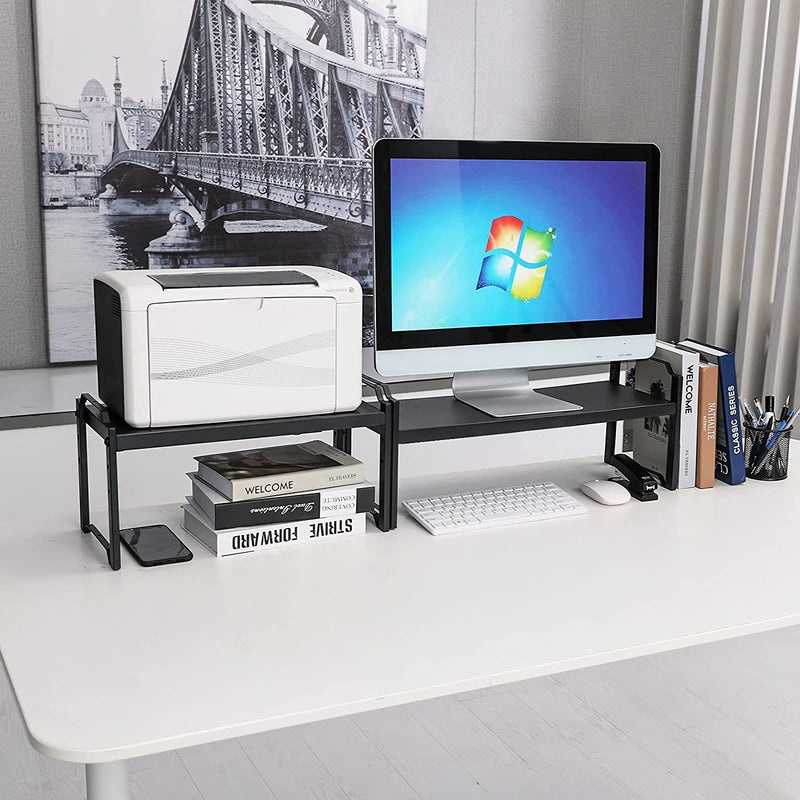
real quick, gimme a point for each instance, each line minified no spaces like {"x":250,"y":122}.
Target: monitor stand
{"x":505,"y":393}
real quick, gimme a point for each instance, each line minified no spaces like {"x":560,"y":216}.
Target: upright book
{"x":354,"y":498}
{"x":655,"y":439}
{"x":707,"y":384}
{"x":685,"y":364}
{"x":729,"y":444}
{"x":283,"y":469}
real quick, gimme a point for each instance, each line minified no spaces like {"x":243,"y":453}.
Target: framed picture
{"x":214,"y":133}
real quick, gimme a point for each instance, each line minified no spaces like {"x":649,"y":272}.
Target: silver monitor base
{"x":505,"y":393}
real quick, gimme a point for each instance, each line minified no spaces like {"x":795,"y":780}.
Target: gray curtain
{"x":741,"y":287}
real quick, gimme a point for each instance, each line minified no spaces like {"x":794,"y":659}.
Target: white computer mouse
{"x":609,"y":493}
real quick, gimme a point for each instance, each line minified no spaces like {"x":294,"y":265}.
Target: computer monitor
{"x":495,"y":257}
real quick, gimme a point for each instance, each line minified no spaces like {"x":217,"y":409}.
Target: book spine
{"x":271,"y":537}
{"x":707,"y":426}
{"x":730,"y":444}
{"x":294,"y":507}
{"x":292,"y":483}
{"x":688,"y":422}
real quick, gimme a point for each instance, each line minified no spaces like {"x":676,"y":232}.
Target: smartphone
{"x":152,"y":545}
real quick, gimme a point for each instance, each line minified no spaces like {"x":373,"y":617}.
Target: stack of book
{"x":725,"y":417}
{"x":261,"y":499}
{"x":703,"y":442}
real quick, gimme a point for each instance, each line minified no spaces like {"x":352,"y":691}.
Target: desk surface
{"x":109,"y":666}
{"x":35,"y":397}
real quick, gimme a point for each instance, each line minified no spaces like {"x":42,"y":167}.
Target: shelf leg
{"x":384,"y":481}
{"x":389,"y":469}
{"x":614,"y":374}
{"x":107,"y":781}
{"x":343,"y":440}
{"x":83,"y":467}
{"x":395,"y":467}
{"x":113,"y":500}
{"x":611,"y":441}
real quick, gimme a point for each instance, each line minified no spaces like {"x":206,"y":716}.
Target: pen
{"x":762,"y":459}
{"x":758,"y":448}
{"x":785,"y":410}
{"x":759,"y":407}
{"x":774,"y":437}
{"x":748,"y":412}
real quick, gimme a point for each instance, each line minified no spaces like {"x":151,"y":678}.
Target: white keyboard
{"x":493,"y":508}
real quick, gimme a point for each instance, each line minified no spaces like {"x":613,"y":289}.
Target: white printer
{"x":178,"y":347}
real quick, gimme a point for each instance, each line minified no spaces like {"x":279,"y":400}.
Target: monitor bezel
{"x":387,"y":150}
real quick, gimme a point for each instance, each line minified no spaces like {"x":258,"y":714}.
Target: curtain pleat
{"x":741,"y":285}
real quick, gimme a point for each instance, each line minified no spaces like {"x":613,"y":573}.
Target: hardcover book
{"x":279,"y":470}
{"x":337,"y":501}
{"x":686,"y":364}
{"x":655,"y":439}
{"x":730,"y":445}
{"x":707,"y":425}
{"x":236,"y":541}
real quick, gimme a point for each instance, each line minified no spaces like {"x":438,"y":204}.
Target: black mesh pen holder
{"x":766,"y":453}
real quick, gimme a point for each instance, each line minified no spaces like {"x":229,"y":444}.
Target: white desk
{"x":108,"y":666}
{"x":36,"y":397}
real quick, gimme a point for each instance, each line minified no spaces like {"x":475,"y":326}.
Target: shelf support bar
{"x":113,"y":499}
{"x":386,"y":512}
{"x":343,"y":439}
{"x":614,"y":373}
{"x":83,"y":464}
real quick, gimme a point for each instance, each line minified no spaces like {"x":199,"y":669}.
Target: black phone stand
{"x":636,"y":479}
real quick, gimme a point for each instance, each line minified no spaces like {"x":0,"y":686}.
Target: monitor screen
{"x":513,"y":242}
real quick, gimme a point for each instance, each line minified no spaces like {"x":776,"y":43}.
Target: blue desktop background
{"x":441,"y":214}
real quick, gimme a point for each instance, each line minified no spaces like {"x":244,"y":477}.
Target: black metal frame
{"x":674,"y":400}
{"x":454,"y":421}
{"x":118,"y":437}
{"x":440,"y":418}
{"x":389,"y":461}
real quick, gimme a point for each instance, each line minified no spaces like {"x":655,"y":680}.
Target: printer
{"x":180,"y":347}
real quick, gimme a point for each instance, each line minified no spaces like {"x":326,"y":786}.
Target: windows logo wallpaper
{"x":513,"y":250}
{"x":564,"y":242}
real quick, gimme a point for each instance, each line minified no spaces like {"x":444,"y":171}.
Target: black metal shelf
{"x":120,"y":437}
{"x":428,"y":419}
{"x":416,"y":419}
{"x":129,"y":438}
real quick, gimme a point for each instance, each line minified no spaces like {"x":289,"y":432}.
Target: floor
{"x":718,"y":721}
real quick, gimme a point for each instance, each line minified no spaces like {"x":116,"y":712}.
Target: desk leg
{"x":108,"y":781}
